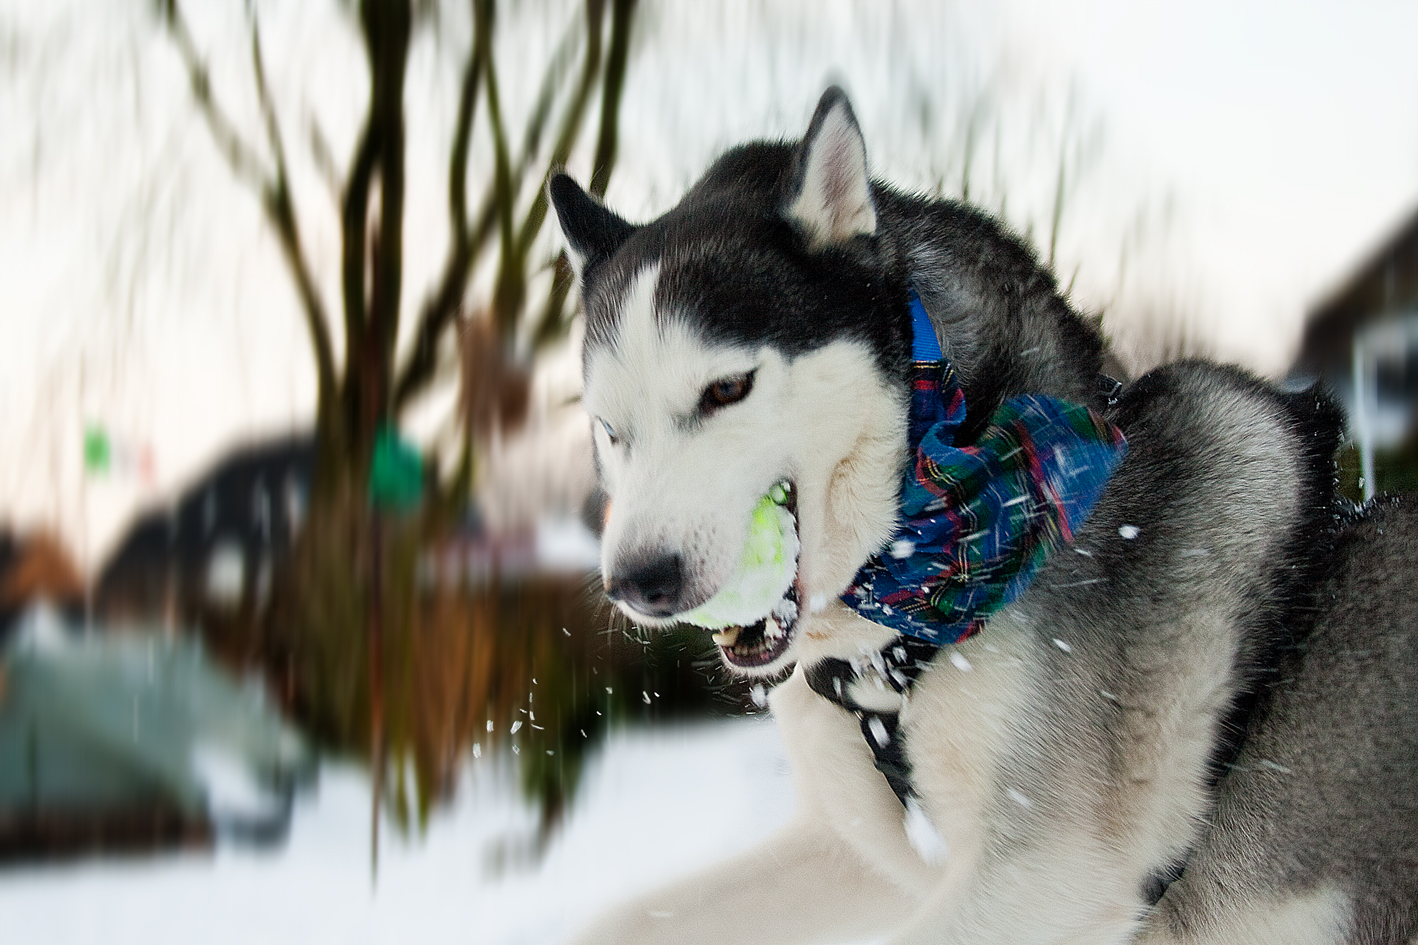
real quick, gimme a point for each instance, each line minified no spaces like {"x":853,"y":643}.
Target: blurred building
{"x":36,"y":569}
{"x":1362,"y":341}
{"x":220,"y":539}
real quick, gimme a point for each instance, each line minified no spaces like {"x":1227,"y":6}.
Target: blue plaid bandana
{"x":978,"y":521}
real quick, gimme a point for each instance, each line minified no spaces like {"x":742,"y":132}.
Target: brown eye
{"x":725,"y":391}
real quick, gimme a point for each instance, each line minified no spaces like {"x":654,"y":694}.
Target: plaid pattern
{"x":978,"y":521}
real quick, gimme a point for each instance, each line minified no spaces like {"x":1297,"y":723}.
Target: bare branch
{"x":551,"y":323}
{"x":324,"y":158}
{"x":245,"y":163}
{"x":458,"y":158}
{"x":552,"y":78}
{"x":441,"y":308}
{"x":263,"y":95}
{"x":486,"y":220}
{"x":622,"y":14}
{"x":278,"y":207}
{"x":272,"y":186}
{"x":571,"y":123}
{"x":1056,"y":218}
{"x":511,"y":282}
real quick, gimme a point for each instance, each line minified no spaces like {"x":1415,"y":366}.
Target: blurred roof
{"x":40,"y":568}
{"x":1386,"y":281}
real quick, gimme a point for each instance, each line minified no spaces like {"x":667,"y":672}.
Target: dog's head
{"x":753,"y":335}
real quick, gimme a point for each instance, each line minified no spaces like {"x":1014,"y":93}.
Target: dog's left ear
{"x":592,"y":231}
{"x":832,"y":200}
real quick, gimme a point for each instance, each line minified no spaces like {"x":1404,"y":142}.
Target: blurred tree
{"x":347,"y":613}
{"x":374,"y":384}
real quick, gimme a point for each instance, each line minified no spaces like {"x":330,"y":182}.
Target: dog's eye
{"x":610,"y":431}
{"x":725,"y":391}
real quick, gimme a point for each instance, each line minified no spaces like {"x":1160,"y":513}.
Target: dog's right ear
{"x":592,"y":232}
{"x":831,"y":203}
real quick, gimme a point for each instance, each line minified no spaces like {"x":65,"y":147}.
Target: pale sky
{"x":1234,"y":161}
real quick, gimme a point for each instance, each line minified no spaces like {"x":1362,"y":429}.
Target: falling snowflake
{"x":878,"y":731}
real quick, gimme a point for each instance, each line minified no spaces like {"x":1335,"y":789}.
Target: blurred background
{"x":300,"y":636}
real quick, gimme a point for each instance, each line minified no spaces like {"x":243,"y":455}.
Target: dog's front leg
{"x":841,"y":870}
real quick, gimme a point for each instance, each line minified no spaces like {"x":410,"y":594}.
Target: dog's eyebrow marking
{"x":607,"y":396}
{"x":637,"y":321}
{"x":658,"y":356}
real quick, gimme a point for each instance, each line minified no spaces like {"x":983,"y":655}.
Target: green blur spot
{"x":395,"y":472}
{"x":98,"y":452}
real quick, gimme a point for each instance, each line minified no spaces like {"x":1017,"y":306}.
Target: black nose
{"x":651,"y":585}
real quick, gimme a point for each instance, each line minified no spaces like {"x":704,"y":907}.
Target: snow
{"x":924,"y":838}
{"x":878,"y":730}
{"x":232,"y":790}
{"x":566,"y":544}
{"x":468,"y":879}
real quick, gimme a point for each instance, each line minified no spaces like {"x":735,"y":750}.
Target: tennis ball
{"x":765,"y":572}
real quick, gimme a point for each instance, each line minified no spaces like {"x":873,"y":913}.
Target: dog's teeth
{"x":771,"y":630}
{"x":727,"y":637}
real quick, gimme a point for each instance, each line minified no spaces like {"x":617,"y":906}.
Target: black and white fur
{"x":1200,"y":724}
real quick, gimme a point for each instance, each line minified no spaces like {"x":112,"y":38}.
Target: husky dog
{"x":1198,"y":724}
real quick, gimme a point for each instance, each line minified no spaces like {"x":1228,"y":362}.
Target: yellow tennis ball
{"x":765,"y":573}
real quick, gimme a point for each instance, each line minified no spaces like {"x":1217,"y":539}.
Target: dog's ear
{"x":592,"y":232}
{"x":831,"y":202}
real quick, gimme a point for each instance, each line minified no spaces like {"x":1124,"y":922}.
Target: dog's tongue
{"x":765,"y":571}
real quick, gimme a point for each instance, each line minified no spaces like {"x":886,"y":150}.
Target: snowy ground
{"x":654,"y":803}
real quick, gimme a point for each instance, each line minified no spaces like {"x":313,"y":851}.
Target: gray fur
{"x":1323,"y":792}
{"x":1200,"y":724}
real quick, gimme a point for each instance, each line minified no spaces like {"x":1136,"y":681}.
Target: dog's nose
{"x":652,"y":585}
